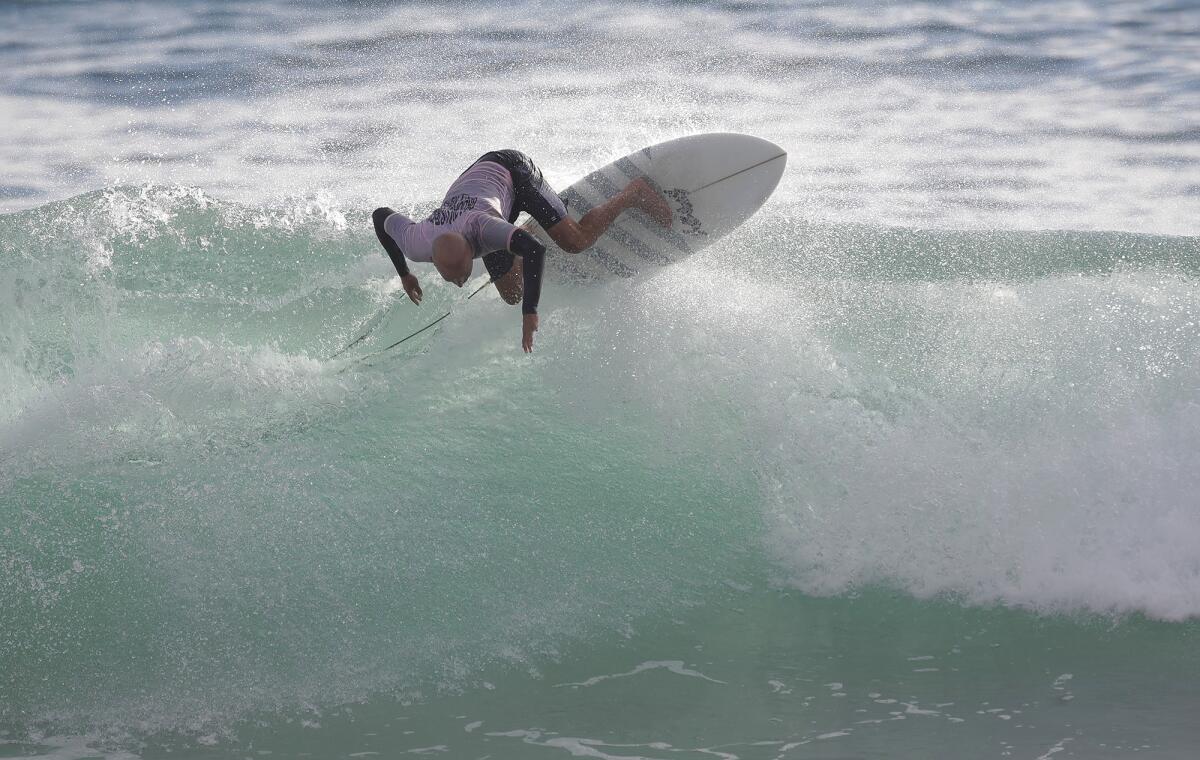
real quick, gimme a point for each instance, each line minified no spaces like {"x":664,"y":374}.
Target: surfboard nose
{"x":725,"y":176}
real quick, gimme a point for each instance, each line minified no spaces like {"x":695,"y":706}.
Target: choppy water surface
{"x":908,"y":468}
{"x":1066,"y":115}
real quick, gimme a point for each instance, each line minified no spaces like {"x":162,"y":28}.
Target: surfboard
{"x":714,"y":183}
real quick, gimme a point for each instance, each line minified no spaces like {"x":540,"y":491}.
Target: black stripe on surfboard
{"x":580,"y":204}
{"x":611,"y":262}
{"x":631,"y":171}
{"x":620,"y":232}
{"x":575,"y":201}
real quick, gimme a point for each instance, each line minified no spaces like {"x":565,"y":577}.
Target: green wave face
{"x":198,"y":506}
{"x":204,"y":518}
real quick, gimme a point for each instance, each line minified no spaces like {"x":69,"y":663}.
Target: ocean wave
{"x":206,"y":517}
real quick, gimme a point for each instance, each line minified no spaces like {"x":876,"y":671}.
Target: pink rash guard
{"x":476,"y":206}
{"x":481,"y":205}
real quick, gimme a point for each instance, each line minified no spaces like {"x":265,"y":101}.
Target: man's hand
{"x":412,"y":287}
{"x":529,"y":325}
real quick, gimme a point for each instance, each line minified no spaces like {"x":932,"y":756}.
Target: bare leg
{"x":574,"y":237}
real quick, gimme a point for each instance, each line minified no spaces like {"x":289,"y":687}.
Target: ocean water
{"x":906,"y":468}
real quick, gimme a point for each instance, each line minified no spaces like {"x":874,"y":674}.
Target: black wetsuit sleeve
{"x":389,"y":245}
{"x":533,"y":256}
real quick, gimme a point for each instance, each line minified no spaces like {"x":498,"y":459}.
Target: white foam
{"x":673,"y":666}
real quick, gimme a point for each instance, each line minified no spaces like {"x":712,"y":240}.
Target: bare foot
{"x":649,"y":200}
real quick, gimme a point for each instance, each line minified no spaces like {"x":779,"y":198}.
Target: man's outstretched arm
{"x":411,"y":286}
{"x":533,"y":258}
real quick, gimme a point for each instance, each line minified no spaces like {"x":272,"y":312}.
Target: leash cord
{"x":406,"y":337}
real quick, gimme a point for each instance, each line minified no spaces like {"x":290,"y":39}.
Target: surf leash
{"x":373,"y":322}
{"x":410,"y":336}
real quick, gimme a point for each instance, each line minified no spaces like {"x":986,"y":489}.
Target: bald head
{"x":452,"y":255}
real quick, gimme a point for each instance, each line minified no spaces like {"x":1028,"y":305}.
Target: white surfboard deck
{"x":714,"y":182}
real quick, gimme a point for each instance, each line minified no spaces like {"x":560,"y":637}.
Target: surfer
{"x":476,"y":219}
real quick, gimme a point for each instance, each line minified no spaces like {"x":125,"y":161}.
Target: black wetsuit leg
{"x":533,"y":195}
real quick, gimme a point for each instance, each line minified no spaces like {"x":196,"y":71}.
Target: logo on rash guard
{"x":452,"y":209}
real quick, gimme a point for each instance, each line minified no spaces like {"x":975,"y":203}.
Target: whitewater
{"x":906,"y":467}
